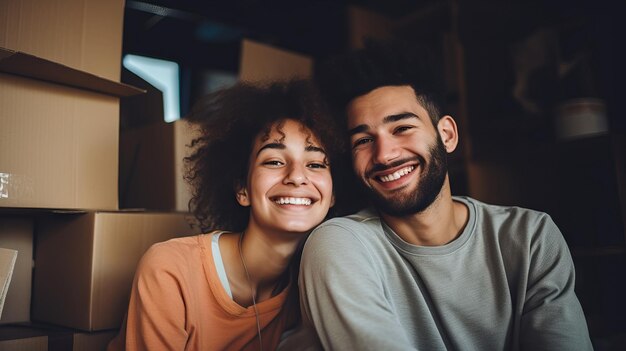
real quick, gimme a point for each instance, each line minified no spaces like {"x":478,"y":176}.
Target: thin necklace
{"x":252,"y":291}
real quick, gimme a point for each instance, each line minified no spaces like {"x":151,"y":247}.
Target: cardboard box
{"x":152,"y":166}
{"x":16,"y":233}
{"x":32,"y":343}
{"x":83,"y":34}
{"x":260,"y":62}
{"x":85,"y":264}
{"x":59,"y":135}
{"x":28,"y":337}
{"x":35,"y":337}
{"x":96,"y":341}
{"x":7,"y":263}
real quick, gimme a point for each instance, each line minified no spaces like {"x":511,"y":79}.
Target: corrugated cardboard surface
{"x":17,"y":234}
{"x":84,"y":34}
{"x":33,"y":337}
{"x":152,"y":166}
{"x":261,"y":62}
{"x":85,"y":264}
{"x":34,"y":343}
{"x":58,"y":146}
{"x":97,"y":341}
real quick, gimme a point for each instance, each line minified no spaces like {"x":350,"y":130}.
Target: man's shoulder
{"x":513,"y":223}
{"x":359,"y":229}
{"x":362,"y":218}
{"x":503,"y":213}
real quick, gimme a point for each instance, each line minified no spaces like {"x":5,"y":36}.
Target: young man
{"x":422,"y":269}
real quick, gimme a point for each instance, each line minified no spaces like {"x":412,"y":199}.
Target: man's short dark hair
{"x":378,"y":64}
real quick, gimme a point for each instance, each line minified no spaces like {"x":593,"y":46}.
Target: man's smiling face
{"x":396,"y":150}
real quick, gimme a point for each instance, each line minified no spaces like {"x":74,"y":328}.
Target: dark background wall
{"x":509,"y":66}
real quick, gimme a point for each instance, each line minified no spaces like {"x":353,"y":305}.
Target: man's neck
{"x":440,"y":223}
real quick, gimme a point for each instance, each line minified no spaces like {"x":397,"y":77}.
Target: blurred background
{"x":91,"y":169}
{"x":533,"y":85}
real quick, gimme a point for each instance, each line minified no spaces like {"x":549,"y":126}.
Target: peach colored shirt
{"x":178,"y":303}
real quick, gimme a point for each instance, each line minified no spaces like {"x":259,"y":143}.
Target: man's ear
{"x":242,"y":195}
{"x":449,"y":134}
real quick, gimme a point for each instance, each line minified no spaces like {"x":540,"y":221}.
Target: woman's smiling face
{"x":289,"y":185}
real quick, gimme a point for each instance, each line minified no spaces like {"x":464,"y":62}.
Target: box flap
{"x":22,"y":64}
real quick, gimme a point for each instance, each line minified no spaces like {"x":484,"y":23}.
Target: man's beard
{"x":430,"y":184}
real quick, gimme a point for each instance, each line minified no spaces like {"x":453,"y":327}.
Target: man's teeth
{"x":293,"y":201}
{"x":397,"y":174}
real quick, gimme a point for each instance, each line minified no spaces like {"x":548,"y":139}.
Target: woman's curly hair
{"x":229,"y":121}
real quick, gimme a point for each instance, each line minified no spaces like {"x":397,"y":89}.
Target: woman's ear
{"x":242,"y":196}
{"x":449,"y":134}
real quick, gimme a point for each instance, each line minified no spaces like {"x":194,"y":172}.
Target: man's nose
{"x":385,"y":150}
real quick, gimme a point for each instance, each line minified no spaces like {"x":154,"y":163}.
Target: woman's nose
{"x":296,"y":175}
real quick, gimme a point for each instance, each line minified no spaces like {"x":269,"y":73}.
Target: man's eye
{"x":403,"y":129}
{"x":361,"y":141}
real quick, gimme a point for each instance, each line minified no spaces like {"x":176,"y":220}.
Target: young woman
{"x":261,"y":178}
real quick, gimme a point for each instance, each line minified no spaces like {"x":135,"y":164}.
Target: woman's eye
{"x":318,"y":165}
{"x":275,"y":163}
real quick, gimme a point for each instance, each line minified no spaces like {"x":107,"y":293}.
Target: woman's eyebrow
{"x":313,"y":148}
{"x":278,"y":146}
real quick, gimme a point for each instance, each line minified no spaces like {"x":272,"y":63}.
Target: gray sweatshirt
{"x":506,"y":283}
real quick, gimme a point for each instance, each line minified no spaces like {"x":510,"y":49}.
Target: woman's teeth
{"x":397,"y":174}
{"x":293,"y":201}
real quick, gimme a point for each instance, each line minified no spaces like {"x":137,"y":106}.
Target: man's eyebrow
{"x":399,"y":117}
{"x":388,"y":119}
{"x":278,"y":146}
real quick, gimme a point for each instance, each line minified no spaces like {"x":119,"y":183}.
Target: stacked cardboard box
{"x":83,"y":34}
{"x":58,"y":145}
{"x":60,"y":150}
{"x":16,"y":233}
{"x":59,"y":135}
{"x":89,"y":289}
{"x":59,"y":139}
{"x":50,"y":338}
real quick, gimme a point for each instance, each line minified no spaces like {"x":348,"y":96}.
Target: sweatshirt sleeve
{"x":343,"y":295}
{"x":156,"y":313}
{"x":553,"y":318}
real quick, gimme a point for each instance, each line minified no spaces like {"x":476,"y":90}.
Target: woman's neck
{"x":257,"y":262}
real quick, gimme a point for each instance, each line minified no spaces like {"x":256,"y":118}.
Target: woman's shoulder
{"x":173,"y":252}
